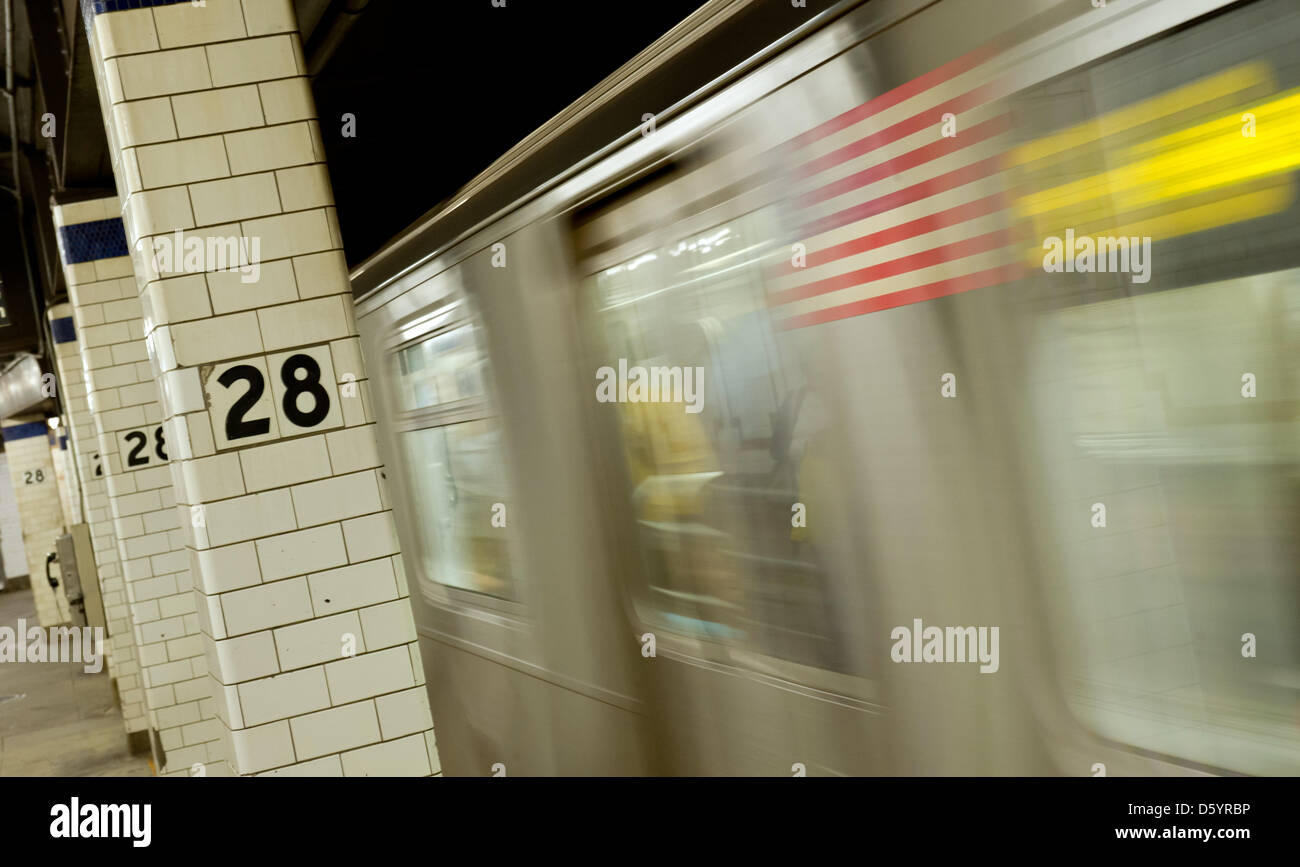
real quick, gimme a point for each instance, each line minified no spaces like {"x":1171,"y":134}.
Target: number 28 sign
{"x":271,"y":397}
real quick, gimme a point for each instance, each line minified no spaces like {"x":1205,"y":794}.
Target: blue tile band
{"x":98,"y":239}
{"x":26,"y":431}
{"x":63,"y":442}
{"x":63,"y":330}
{"x":91,"y":8}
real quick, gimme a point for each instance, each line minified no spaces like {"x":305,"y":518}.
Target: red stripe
{"x":913,"y":158}
{"x":893,"y":97}
{"x":906,"y":196}
{"x":929,"y":223}
{"x":902,"y":129}
{"x":894,"y":267}
{"x":928,"y":292}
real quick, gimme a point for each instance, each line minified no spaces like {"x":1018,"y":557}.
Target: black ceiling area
{"x":441,"y":89}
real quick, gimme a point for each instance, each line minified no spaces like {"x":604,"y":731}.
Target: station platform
{"x":55,"y":719}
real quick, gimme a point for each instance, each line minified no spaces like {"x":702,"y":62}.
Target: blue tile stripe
{"x":63,"y":330}
{"x":98,"y":239}
{"x":90,"y":8}
{"x":26,"y":431}
{"x":63,"y":442}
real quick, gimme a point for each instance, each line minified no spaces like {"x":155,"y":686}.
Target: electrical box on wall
{"x":76,"y":557}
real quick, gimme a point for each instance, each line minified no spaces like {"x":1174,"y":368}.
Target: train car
{"x":882,"y":388}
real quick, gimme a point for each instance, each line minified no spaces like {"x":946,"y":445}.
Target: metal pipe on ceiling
{"x":342,"y":16}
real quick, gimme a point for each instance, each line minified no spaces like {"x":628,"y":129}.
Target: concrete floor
{"x":56,"y":720}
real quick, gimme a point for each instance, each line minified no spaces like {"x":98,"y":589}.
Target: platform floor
{"x":55,"y":719}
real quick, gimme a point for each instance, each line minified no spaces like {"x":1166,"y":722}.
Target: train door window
{"x":710,"y":470}
{"x":451,"y":445}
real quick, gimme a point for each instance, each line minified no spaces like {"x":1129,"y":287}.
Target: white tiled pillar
{"x":11,"y":526}
{"x":31,"y":467}
{"x":123,"y":398}
{"x":84,"y":450}
{"x":303,"y":597}
{"x":69,"y":495}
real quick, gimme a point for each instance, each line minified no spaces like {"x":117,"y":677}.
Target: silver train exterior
{"x":907,"y":420}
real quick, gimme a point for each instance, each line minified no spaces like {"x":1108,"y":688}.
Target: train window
{"x":712,"y":445}
{"x":1178,"y":583}
{"x":440,"y":370}
{"x":451,"y":444}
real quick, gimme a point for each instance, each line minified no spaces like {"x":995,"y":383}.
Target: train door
{"x":714,"y":447}
{"x":524,"y":674}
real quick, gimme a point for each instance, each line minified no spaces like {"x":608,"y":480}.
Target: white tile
{"x":370,"y":536}
{"x":389,"y":624}
{"x":283,"y":695}
{"x":273,"y":284}
{"x":190,"y":24}
{"x":144,"y":121}
{"x":261,"y":748}
{"x":269,"y":16}
{"x":299,"y":553}
{"x":403,"y":713}
{"x":271,"y":147}
{"x":252,"y":60}
{"x":369,"y":674}
{"x":236,"y":198}
{"x":354,"y":586}
{"x":214,"y":339}
{"x":182,"y":162}
{"x":339,"y":728}
{"x":407,"y":757}
{"x":287,"y":100}
{"x":215,"y":111}
{"x":127,"y":32}
{"x":319,"y":640}
{"x":246,"y":657}
{"x":322,"y":274}
{"x":162,"y":72}
{"x":278,"y":465}
{"x":250,"y":517}
{"x":266,"y":606}
{"x":304,"y":187}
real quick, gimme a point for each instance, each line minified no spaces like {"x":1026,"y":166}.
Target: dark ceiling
{"x":441,"y":89}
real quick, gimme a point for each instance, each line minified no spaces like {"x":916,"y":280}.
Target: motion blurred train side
{"x":907,"y":422}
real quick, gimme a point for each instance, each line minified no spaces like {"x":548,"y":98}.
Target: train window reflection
{"x":460,"y":486}
{"x":442,"y":369}
{"x":452,"y":451}
{"x":711,"y":485}
{"x":1196,"y":558}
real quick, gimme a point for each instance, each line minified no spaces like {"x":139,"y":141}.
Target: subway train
{"x":918,"y":396}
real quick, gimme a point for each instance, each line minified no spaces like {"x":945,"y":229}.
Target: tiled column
{"x":123,"y":399}
{"x":31,"y":467}
{"x":84,"y":448}
{"x":303,"y":597}
{"x":69,"y":495}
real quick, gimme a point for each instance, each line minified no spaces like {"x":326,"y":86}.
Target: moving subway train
{"x":918,"y":396}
